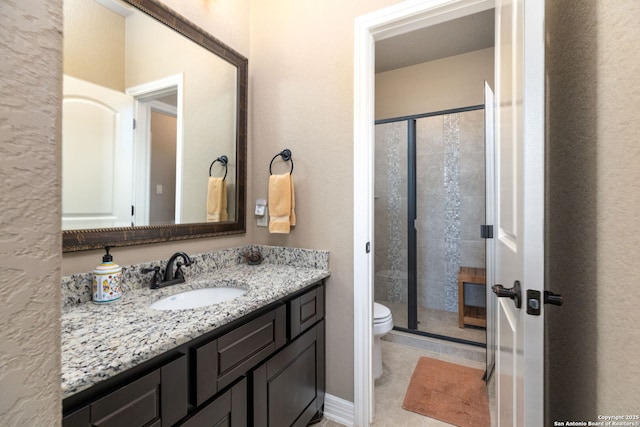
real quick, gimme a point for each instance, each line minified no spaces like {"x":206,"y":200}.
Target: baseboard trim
{"x":338,"y":410}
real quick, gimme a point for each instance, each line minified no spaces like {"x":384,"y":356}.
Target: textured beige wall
{"x":453,"y":82}
{"x":30,"y":98}
{"x":94,"y":43}
{"x":229,"y":22}
{"x":593,"y":200}
{"x":301,"y":98}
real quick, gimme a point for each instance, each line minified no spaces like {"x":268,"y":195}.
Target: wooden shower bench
{"x":468,"y":314}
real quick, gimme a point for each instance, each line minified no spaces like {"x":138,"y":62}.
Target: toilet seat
{"x":381,"y":314}
{"x":383,"y":320}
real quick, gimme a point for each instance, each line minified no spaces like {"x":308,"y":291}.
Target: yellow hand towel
{"x":281,"y":203}
{"x":292,"y":216}
{"x":216,"y":200}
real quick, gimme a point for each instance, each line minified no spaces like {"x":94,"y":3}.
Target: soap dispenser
{"x":107,"y":280}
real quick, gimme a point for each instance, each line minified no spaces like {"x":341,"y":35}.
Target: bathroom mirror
{"x":152,"y":104}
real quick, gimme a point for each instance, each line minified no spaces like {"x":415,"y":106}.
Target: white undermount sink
{"x":198,"y":298}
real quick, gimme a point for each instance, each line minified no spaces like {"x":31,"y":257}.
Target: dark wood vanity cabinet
{"x":266,"y":369}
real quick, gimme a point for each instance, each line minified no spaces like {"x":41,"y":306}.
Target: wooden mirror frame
{"x":79,"y":240}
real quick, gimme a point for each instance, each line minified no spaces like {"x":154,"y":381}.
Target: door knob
{"x":513,"y":293}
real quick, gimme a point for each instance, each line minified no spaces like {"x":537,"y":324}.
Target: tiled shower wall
{"x":450,"y":204}
{"x":390,"y":280}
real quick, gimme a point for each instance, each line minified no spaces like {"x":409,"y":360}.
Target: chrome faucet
{"x":171,"y":277}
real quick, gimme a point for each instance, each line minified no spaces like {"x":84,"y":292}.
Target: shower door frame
{"x":412,"y":217}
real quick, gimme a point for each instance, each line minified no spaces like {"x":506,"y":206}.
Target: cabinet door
{"x":289,"y":388}
{"x":305,"y":310}
{"x":228,"y":410}
{"x":174,"y":404}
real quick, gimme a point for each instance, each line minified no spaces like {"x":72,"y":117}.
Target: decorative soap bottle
{"x":107,"y":280}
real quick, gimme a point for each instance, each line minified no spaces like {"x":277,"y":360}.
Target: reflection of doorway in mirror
{"x":162,"y":199}
{"x":158,"y":103}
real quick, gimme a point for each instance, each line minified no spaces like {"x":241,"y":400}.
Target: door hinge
{"x":486,"y":231}
{"x":132,"y":210}
{"x":367,"y":247}
{"x":134,"y":124}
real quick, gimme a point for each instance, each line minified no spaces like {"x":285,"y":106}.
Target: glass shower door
{"x":431,"y":248}
{"x":390,"y":236}
{"x":429,"y":205}
{"x":450,"y":209}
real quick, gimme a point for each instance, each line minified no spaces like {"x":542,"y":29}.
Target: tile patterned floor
{"x":399,"y":361}
{"x":328,"y":423}
{"x":436,"y":322}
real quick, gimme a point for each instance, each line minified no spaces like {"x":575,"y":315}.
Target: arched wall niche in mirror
{"x":151,"y":101}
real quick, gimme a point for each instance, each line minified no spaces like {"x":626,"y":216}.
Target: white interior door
{"x":97,"y":156}
{"x":519,"y":243}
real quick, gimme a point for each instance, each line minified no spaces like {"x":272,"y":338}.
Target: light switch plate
{"x":263,"y":220}
{"x":262,"y":213}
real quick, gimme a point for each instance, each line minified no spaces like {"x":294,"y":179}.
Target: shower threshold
{"x":440,"y":337}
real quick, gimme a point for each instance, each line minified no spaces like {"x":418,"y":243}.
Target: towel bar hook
{"x":286,"y":156}
{"x":224,"y":160}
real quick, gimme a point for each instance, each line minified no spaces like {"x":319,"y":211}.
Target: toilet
{"x":382,"y":323}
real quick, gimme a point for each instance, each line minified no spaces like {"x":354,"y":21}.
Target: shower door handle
{"x":514,"y":293}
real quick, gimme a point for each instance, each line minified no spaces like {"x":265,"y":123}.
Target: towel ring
{"x":224,"y":160}
{"x":286,"y":156}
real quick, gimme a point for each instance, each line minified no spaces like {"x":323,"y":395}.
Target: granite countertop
{"x":100,"y":341}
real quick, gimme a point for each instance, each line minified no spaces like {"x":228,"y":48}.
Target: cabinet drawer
{"x":79,"y":418}
{"x":229,"y":357}
{"x":158,"y":398}
{"x":136,"y":404}
{"x":305,"y":311}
